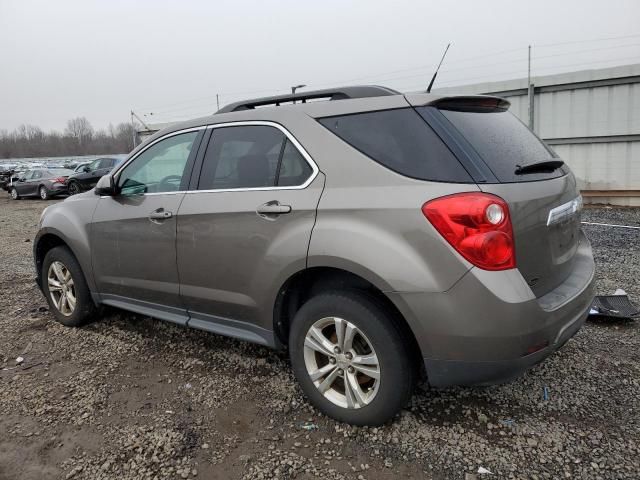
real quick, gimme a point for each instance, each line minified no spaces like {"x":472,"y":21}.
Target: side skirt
{"x":201,"y":321}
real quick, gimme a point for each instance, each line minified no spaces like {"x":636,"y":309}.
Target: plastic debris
{"x":545,"y":393}
{"x":616,"y":306}
{"x":508,"y":422}
{"x":309,"y":426}
{"x":19,"y":360}
{"x":484,"y":471}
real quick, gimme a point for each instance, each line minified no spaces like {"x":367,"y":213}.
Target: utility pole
{"x":218,"y":101}
{"x":133,"y":130}
{"x":530,"y":92}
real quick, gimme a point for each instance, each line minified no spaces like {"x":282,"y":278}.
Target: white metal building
{"x":591,"y":118}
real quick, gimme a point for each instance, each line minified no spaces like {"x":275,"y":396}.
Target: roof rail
{"x":330,"y":93}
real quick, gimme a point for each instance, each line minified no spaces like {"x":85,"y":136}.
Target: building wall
{"x":591,"y":118}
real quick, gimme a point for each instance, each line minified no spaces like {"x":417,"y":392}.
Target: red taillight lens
{"x":477,"y":225}
{"x":59,"y":180}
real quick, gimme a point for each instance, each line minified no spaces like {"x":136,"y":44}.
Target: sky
{"x":167,"y":60}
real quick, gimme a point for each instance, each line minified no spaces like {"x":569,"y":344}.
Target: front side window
{"x":93,"y":166}
{"x":160,"y":168}
{"x":253,"y":156}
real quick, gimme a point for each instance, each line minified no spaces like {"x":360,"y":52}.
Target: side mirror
{"x":106,"y":187}
{"x":22,"y":179}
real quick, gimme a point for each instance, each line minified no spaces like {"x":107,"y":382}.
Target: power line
{"x":196,"y":103}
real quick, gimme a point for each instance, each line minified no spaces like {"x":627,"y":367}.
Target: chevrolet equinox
{"x":382,"y":238}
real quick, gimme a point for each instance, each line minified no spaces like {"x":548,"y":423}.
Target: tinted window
{"x":36,"y":174}
{"x":400,"y":140}
{"x":294,"y":169}
{"x":503,"y":142}
{"x":160,"y":168}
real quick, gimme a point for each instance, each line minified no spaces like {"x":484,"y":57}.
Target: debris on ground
{"x":617,"y":306}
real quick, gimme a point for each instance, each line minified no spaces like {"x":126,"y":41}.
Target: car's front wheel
{"x":74,"y":188}
{"x":65,"y":288}
{"x":350,"y":358}
{"x":14,"y":194}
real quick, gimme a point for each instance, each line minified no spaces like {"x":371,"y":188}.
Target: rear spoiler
{"x":472,"y":103}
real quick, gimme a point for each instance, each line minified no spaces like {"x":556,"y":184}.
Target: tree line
{"x":78,"y":138}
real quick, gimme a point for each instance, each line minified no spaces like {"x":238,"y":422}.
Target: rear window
{"x":503,"y":142}
{"x":401,"y":141}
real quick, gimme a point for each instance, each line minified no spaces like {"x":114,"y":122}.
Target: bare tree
{"x":79,"y":138}
{"x":80,"y":129}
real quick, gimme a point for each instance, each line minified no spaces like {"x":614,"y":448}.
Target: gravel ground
{"x":129,"y":397}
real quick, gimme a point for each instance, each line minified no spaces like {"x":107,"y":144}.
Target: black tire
{"x":14,"y":194}
{"x":44,"y":194}
{"x":84,"y":309}
{"x":397,"y":374}
{"x":73,"y":188}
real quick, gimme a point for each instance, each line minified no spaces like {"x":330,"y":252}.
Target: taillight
{"x":59,"y":180}
{"x":477,"y":225}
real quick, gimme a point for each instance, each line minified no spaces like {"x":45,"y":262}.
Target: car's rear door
{"x":133,"y":235}
{"x":31,"y":185}
{"x":245,"y":227}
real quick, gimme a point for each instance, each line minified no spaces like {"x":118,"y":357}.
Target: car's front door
{"x":245,"y":228}
{"x":133,"y":235}
{"x":24,"y":183}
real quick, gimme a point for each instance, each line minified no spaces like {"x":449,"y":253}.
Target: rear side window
{"x":503,"y":142}
{"x":401,"y":141}
{"x":251,"y":157}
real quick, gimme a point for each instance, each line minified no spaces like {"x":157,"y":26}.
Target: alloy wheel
{"x":43,"y":193}
{"x":14,"y":194}
{"x":61,"y":288}
{"x":342,"y":363}
{"x":74,"y":189}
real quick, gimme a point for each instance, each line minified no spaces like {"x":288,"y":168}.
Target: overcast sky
{"x":100,"y":59}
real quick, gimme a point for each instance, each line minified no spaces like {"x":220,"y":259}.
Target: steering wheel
{"x":172,"y":182}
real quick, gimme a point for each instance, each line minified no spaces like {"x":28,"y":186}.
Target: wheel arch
{"x":304,"y":284}
{"x":45,"y":241}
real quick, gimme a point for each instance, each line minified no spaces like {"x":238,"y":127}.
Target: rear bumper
{"x":490,"y":328}
{"x":57,"y":189}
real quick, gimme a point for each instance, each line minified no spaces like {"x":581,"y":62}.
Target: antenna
{"x":433,"y":79}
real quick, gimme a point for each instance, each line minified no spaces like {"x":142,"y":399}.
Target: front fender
{"x":70,"y":221}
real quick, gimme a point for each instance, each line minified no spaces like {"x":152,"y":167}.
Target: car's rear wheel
{"x":14,"y":194}
{"x":44,"y":195}
{"x":65,"y":288}
{"x":350,"y":358}
{"x":74,"y":188}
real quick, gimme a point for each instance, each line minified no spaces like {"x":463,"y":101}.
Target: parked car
{"x":377,"y":236}
{"x":43,"y":183}
{"x":6,"y":172}
{"x":89,"y":174}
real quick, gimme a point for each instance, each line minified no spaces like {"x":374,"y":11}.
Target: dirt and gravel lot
{"x":129,"y":397}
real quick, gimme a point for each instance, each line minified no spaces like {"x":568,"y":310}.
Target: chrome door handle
{"x":273,"y":208}
{"x":160,"y":214}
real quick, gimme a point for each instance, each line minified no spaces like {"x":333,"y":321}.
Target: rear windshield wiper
{"x":544,"y":166}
